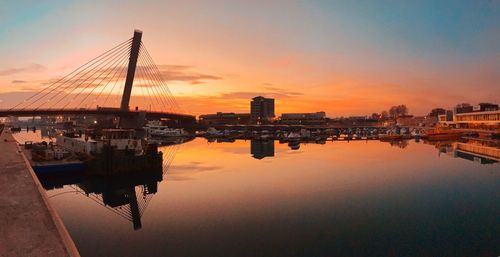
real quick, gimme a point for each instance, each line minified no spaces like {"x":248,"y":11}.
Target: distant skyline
{"x":342,"y":57}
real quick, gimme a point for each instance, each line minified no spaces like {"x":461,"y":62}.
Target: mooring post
{"x":134,"y":54}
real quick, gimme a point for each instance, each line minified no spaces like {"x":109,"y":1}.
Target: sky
{"x":342,"y":57}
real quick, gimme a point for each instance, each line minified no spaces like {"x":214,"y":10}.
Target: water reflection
{"x":126,"y":195}
{"x":469,"y":149}
{"x":262,"y":148}
{"x":357,"y":198}
{"x":477,"y":150}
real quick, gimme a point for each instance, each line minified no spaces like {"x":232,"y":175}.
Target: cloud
{"x":272,"y":92}
{"x":185,"y":73}
{"x":18,"y":81}
{"x":34,"y":67}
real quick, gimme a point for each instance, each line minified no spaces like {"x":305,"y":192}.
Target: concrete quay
{"x":29,"y":226}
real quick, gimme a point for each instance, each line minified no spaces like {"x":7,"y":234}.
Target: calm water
{"x":353,"y":198}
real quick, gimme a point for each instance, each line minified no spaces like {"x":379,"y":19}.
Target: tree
{"x":376,"y":116}
{"x":384,"y":114}
{"x":398,"y":111}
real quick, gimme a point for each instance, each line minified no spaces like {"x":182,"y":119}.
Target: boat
{"x":155,"y":129}
{"x":293,"y":136}
{"x":113,"y":151}
{"x":442,"y":133}
{"x":265,"y":137}
{"x":212,"y":132}
{"x":48,"y":158}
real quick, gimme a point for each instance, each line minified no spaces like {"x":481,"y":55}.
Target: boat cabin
{"x":122,"y":139}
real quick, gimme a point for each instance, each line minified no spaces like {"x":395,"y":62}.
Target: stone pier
{"x":29,"y":226}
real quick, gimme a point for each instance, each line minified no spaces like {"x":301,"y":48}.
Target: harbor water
{"x":261,"y":198}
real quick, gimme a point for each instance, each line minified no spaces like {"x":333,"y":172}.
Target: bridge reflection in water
{"x":126,"y":195}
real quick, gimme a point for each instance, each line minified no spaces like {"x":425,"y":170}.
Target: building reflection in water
{"x":473,"y":157}
{"x":262,"y":148}
{"x":126,"y":195}
{"x":472,"y":150}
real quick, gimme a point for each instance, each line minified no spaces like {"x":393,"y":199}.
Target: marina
{"x":249,"y":128}
{"x":350,"y":191}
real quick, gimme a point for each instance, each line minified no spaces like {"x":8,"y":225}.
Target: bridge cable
{"x":107,"y":67}
{"x":107,"y":61}
{"x":160,"y":76}
{"x":66,"y":77}
{"x":76,"y":79}
{"x":145,"y":83}
{"x":152,"y":83}
{"x":116,"y":63}
{"x":121,"y":65}
{"x":157,"y":87}
{"x":157,"y":73}
{"x":124,"y":68}
{"x":160,"y":88}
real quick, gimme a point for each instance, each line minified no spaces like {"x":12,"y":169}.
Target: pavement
{"x":29,"y":226}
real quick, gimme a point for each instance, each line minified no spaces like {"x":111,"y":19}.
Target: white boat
{"x":305,"y":133}
{"x":157,"y":130}
{"x":120,"y":139}
{"x":293,"y":136}
{"x":265,"y":136}
{"x":212,"y":132}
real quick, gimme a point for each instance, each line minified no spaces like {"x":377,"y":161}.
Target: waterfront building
{"x":262,"y":109}
{"x":482,"y":116}
{"x":224,"y":118}
{"x":482,"y":107}
{"x":314,"y":118}
{"x":462,"y":108}
{"x":480,"y":119}
{"x":417,"y":121}
{"x":447,"y":118}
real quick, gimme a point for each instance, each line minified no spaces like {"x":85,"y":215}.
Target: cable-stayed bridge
{"x":123,"y":82}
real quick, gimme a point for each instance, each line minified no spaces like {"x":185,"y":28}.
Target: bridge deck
{"x":29,"y":226}
{"x":115,"y":112}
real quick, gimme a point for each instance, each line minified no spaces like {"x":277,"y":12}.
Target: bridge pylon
{"x":132,"y":64}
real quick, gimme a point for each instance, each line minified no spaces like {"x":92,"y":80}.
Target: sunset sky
{"x":342,"y":57}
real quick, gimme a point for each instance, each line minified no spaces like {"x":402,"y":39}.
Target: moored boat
{"x":442,"y":133}
{"x":155,"y":129}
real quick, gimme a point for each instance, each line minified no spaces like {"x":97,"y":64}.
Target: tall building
{"x":261,"y":109}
